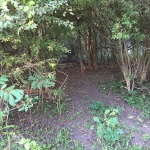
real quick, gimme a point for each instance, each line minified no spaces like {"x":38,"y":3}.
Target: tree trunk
{"x":82,"y":66}
{"x":94,"y":51}
{"x":144,"y":65}
{"x":80,"y":55}
{"x":89,"y":48}
{"x":128,"y":83}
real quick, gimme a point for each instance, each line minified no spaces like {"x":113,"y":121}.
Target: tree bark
{"x":89,"y":48}
{"x":80,"y":55}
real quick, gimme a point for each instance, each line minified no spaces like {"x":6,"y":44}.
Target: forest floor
{"x":75,"y":128}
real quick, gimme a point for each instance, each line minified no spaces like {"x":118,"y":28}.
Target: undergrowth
{"x":42,"y":140}
{"x":139,"y":98}
{"x":111,"y":135}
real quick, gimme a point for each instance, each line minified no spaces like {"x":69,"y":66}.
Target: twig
{"x":98,"y":88}
{"x":64,"y":80}
{"x":6,"y":123}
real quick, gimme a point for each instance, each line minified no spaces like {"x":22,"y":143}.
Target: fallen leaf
{"x":130,"y":117}
{"x":139,"y":119}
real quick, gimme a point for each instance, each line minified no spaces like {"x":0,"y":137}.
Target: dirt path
{"x":84,"y":88}
{"x":78,"y":118}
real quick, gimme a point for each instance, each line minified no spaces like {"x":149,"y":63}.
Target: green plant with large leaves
{"x":9,"y":94}
{"x":109,"y":130}
{"x":9,"y":97}
{"x":39,"y":81}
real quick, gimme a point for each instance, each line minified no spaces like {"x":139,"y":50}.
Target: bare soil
{"x":81,"y":89}
{"x":86,"y":85}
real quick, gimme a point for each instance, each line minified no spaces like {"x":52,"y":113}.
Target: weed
{"x":110,"y":134}
{"x":41,"y":139}
{"x":136,"y":98}
{"x":18,"y":142}
{"x":62,"y":141}
{"x":109,"y":130}
{"x":59,"y":109}
{"x":139,"y":100}
{"x":86,"y":124}
{"x":103,"y":88}
{"x":47,"y":107}
{"x":146,"y":137}
{"x":137,"y":123}
{"x":59,"y":96}
{"x":77,"y":146}
{"x":97,"y":107}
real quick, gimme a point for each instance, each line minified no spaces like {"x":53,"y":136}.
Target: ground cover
{"x":92,"y":117}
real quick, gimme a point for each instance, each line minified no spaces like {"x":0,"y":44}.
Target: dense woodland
{"x":38,"y":37}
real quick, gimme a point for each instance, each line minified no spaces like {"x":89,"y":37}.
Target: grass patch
{"x":110,"y":133}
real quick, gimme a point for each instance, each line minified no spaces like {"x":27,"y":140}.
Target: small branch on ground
{"x":64,"y":80}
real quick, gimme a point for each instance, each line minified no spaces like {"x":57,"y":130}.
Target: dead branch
{"x":64,"y":80}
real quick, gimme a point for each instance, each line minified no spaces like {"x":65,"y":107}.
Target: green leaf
{"x":18,"y":94}
{"x":24,"y":1}
{"x":130,"y":117}
{"x":11,"y":100}
{"x":21,"y":109}
{"x":32,"y":78}
{"x":107,"y":111}
{"x":96,"y":119}
{"x":1,"y":93}
{"x":31,"y":3}
{"x":10,"y":88}
{"x":139,"y":119}
{"x":3,"y":86}
{"x":2,"y":82}
{"x":22,"y":141}
{"x":29,"y":15}
{"x":116,"y":111}
{"x":27,"y":146}
{"x":30,"y":22}
{"x":26,"y":8}
{"x":100,"y":130}
{"x":92,"y":127}
{"x":1,"y":2}
{"x":26,"y":108}
{"x":120,"y":131}
{"x":33,"y":26}
{"x":4,"y":78}
{"x":8,"y":127}
{"x":6,"y":96}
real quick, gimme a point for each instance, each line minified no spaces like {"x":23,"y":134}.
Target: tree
{"x":27,"y":47}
